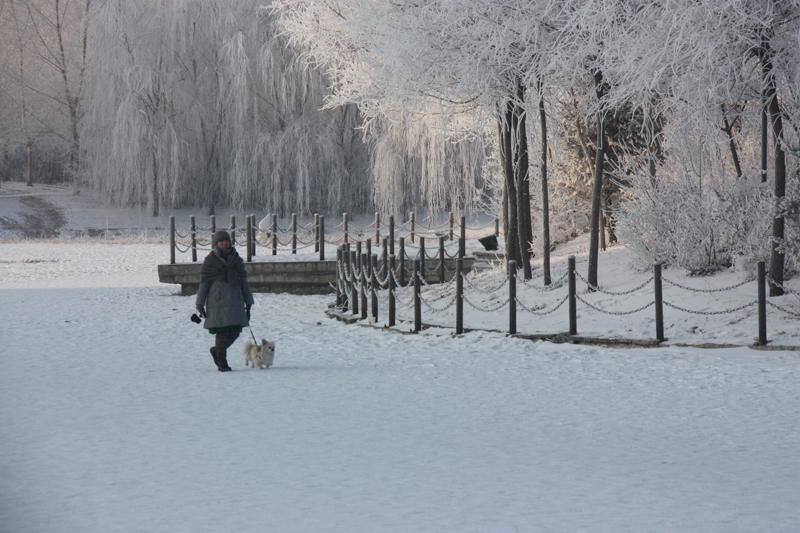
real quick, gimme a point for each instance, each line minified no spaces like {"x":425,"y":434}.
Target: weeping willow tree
{"x":201,"y":103}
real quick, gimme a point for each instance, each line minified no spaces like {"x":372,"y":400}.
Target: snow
{"x":115,"y":418}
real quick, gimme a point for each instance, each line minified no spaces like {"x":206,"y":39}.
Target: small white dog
{"x":260,"y":355}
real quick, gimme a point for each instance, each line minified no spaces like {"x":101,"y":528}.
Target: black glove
{"x":247,"y":310}
{"x":201,"y":310}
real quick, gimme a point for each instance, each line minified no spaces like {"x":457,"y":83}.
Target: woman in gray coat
{"x":224,"y":297}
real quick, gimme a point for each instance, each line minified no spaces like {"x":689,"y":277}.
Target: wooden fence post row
{"x":390,"y":268}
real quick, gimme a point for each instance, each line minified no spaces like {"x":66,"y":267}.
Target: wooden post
{"x":496,"y":227}
{"x":459,"y":296}
{"x":402,"y":272}
{"x":573,"y":315}
{"x":316,"y":232}
{"x":344,"y":224}
{"x":762,"y":304}
{"x":354,"y":285}
{"x":213,"y":228}
{"x":462,"y":250}
{"x":374,"y":288}
{"x":384,"y":256}
{"x":172,"y":239}
{"x":363,"y":289}
{"x":339,"y":276}
{"x":321,"y":238}
{"x":253,"y":233}
{"x":442,"y":269}
{"x":248,"y":240}
{"x":659,"y":302}
{"x":377,"y":228}
{"x":193,"y":229}
{"x":346,"y":294}
{"x":294,"y":233}
{"x":274,"y":234}
{"x":369,"y":249}
{"x":422,"y":254}
{"x":412,"y":227}
{"x":391,"y":290}
{"x":512,"y":297}
{"x":450,"y":221}
{"x":233,"y":230}
{"x":417,"y":303}
{"x":391,"y":234}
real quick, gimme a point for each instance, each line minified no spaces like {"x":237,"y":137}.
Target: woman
{"x":224,"y":297}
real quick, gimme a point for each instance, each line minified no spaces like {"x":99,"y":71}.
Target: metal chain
{"x":557,"y":284}
{"x":745,"y":282}
{"x":790,"y":313}
{"x":616,"y":313}
{"x":598,"y":289}
{"x":442,"y":310}
{"x":543,"y":313}
{"x":710,"y":312}
{"x":782,"y":287}
{"x":500,"y":305}
{"x":486,"y":291}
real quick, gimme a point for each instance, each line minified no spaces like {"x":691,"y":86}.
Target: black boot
{"x":222,"y":366}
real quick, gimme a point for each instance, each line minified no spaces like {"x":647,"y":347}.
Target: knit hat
{"x":221,"y":235}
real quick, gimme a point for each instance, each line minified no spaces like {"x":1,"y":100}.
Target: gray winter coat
{"x":224,"y":290}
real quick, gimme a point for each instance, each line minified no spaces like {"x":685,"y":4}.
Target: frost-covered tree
{"x":201,"y":102}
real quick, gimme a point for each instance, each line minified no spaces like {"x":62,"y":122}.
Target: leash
{"x":251,"y":334}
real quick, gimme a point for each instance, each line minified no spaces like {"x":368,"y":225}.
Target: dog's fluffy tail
{"x":247,"y":346}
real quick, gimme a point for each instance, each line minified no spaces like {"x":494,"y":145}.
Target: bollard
{"x":233,"y":230}
{"x":338,"y":276}
{"x":384,"y":256}
{"x":450,"y":222}
{"x":354,"y":285}
{"x":659,"y":302}
{"x":171,"y":239}
{"x":345,"y":280}
{"x":377,"y":228}
{"x":316,"y":232}
{"x":253,"y":234}
{"x":412,"y":227}
{"x":573,"y":315}
{"x":294,"y":233}
{"x":274,"y":234}
{"x":391,"y":291}
{"x":442,"y":268}
{"x":762,"y":304}
{"x":374,"y":288}
{"x":462,"y":241}
{"x":369,"y":249}
{"x":363,"y":284}
{"x":193,"y":229}
{"x":321,"y":238}
{"x":422,"y":254}
{"x":512,"y":297}
{"x":402,"y":272}
{"x":417,"y":302}
{"x":391,"y":234}
{"x":213,"y":228}
{"x":496,"y":227}
{"x":248,"y":240}
{"x":344,"y":224}
{"x":459,"y":296}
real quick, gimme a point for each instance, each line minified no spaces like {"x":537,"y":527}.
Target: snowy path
{"x":114,"y":419}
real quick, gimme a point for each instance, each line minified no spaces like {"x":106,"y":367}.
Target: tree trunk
{"x":504,"y":199}
{"x":545,"y":192}
{"x":776,"y":262}
{"x":597,"y":188}
{"x":154,"y":190}
{"x":521,"y":179}
{"x":728,"y":129}
{"x":512,"y":246}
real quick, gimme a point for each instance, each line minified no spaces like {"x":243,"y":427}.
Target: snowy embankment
{"x":115,"y":419}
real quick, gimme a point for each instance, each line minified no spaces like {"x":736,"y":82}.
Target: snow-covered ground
{"x":115,"y":419}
